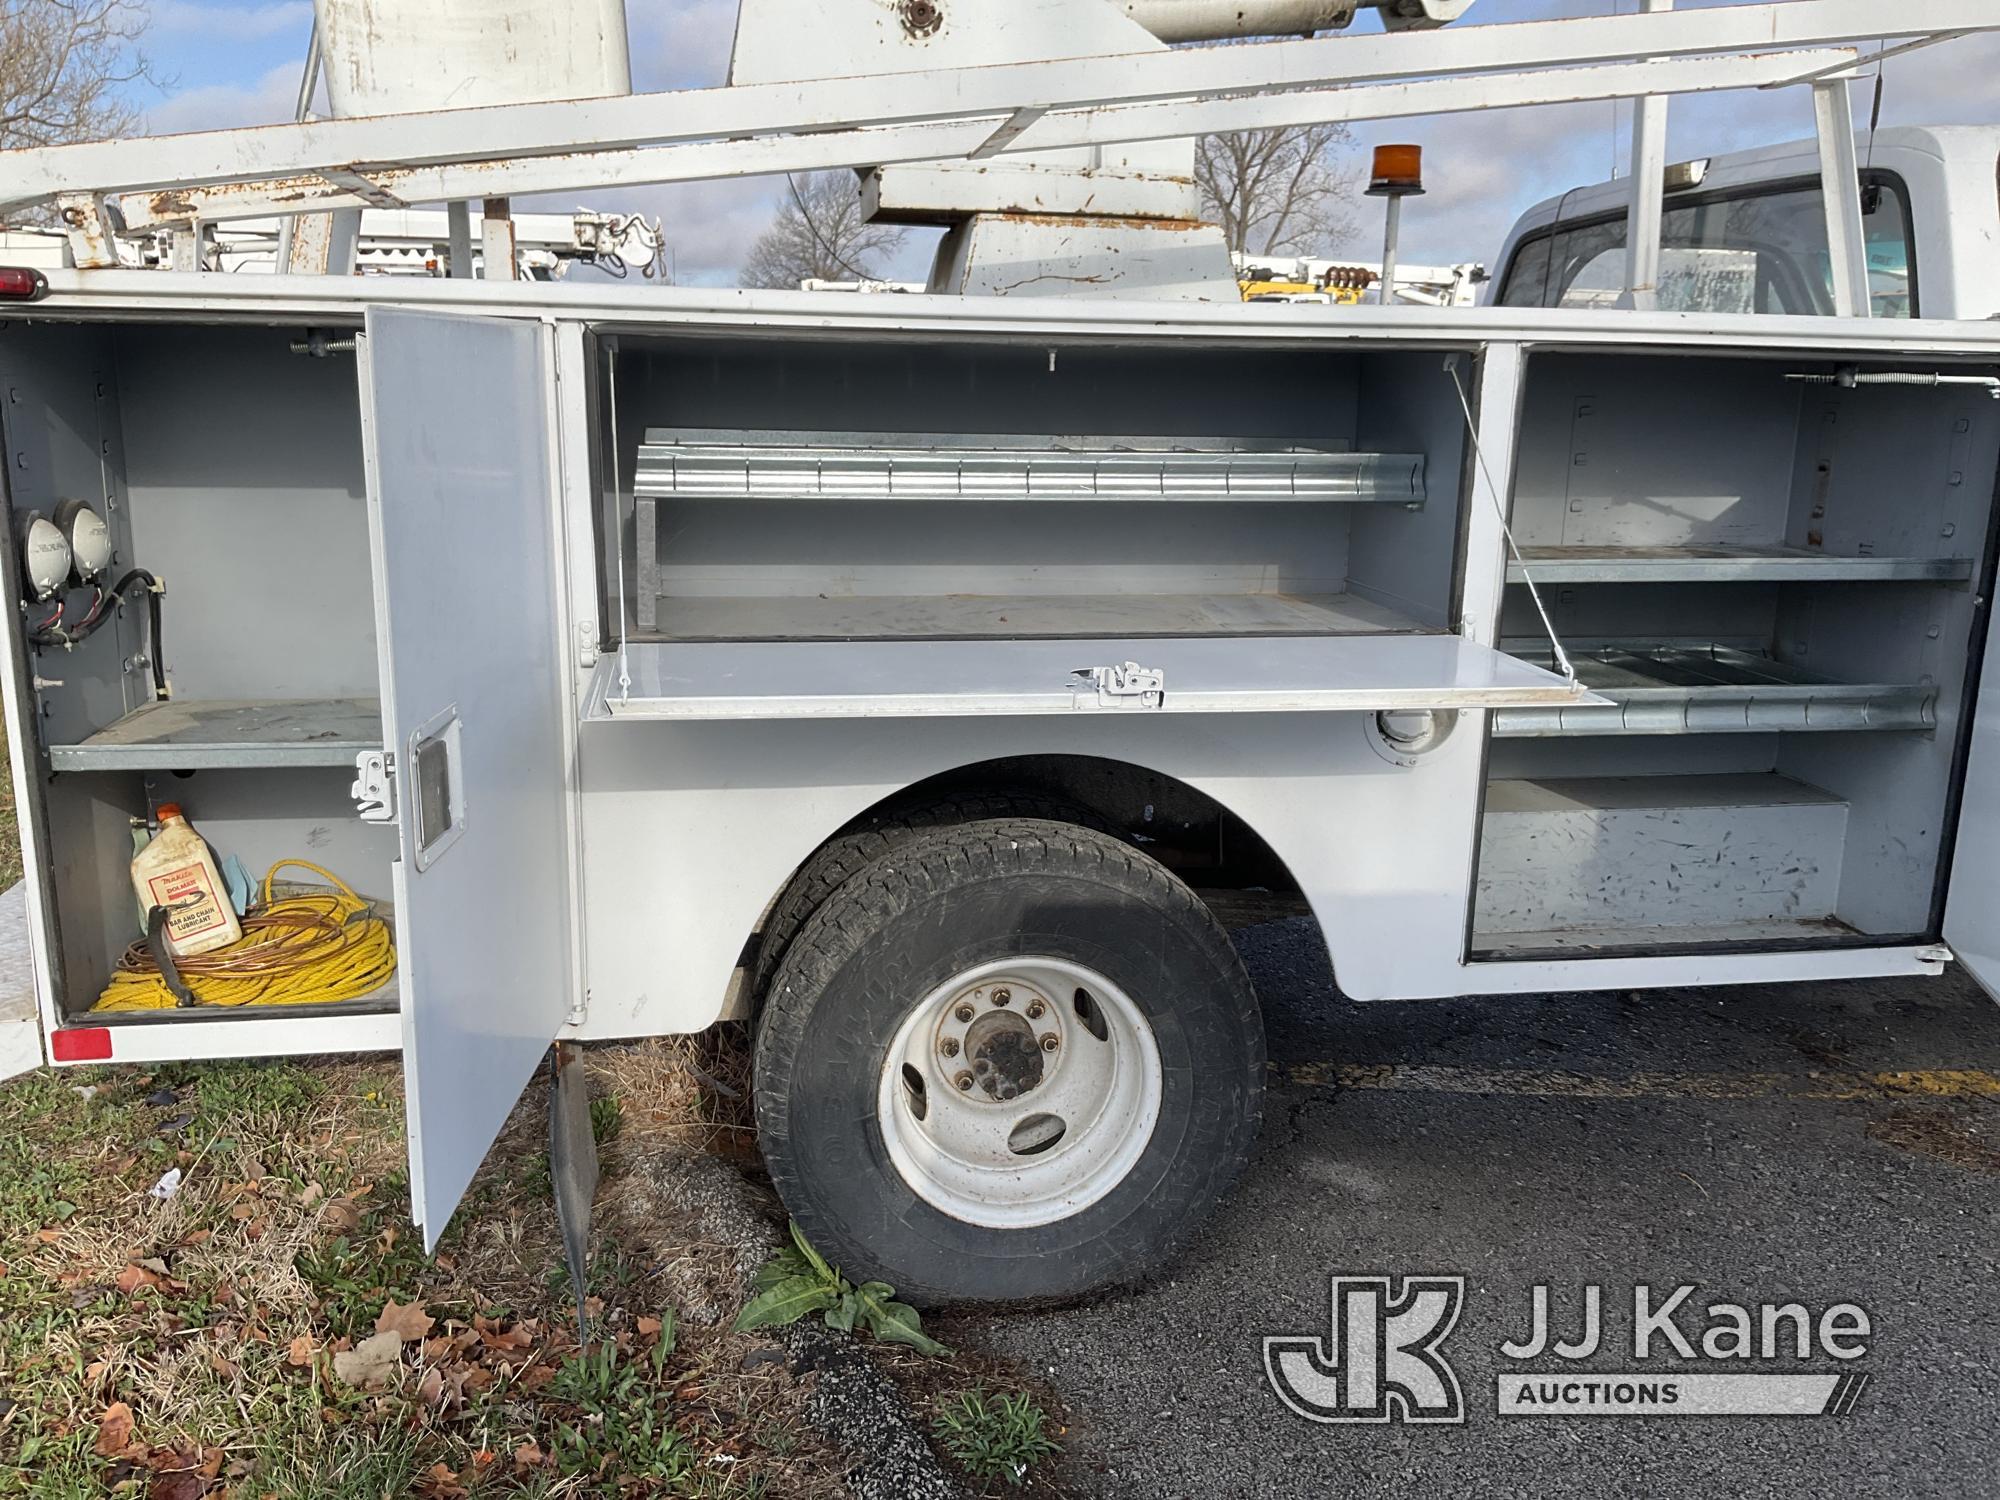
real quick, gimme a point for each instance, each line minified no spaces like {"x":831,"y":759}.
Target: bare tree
{"x":64,"y":67}
{"x":818,"y":232}
{"x":1276,"y":190}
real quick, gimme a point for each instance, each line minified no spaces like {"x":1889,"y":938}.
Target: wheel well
{"x":1183,"y":827}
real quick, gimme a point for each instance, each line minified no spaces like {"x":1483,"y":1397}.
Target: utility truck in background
{"x":897,"y":672}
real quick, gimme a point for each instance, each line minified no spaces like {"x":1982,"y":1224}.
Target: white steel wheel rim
{"x":965,"y":1115}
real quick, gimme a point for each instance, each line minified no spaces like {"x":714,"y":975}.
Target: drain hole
{"x":914,"y":1082}
{"x":1035,"y":1134}
{"x":1092,"y":1018}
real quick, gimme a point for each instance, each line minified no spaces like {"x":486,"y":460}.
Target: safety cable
{"x":1563,"y":663}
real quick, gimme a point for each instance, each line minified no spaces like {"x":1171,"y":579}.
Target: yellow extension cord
{"x":316,"y":947}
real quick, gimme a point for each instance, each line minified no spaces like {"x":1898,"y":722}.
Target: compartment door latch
{"x":1124,"y":685}
{"x":374,"y":789}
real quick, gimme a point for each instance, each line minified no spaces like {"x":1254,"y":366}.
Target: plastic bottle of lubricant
{"x":177,"y":871}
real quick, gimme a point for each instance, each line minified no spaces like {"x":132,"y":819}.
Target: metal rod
{"x":458,"y":231}
{"x":1649,"y":176}
{"x":1840,"y":181}
{"x":1392,"y":233}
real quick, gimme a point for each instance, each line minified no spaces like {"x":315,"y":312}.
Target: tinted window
{"x":1750,"y":252}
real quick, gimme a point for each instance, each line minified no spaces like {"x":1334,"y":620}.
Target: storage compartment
{"x":954,"y":490}
{"x":228,"y":466}
{"x":830,"y":527}
{"x":1776,"y":585}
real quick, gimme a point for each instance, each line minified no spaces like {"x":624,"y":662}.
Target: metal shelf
{"x":944,"y":617}
{"x":1680,"y":688}
{"x":212,"y":734}
{"x":849,"y":466}
{"x":1726,"y":565}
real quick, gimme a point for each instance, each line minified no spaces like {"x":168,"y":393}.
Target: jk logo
{"x":1382,"y":1362}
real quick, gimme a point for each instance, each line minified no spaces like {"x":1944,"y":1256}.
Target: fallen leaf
{"x":181,"y":1484}
{"x":243,"y":1211}
{"x":406,"y":1319}
{"x":114,"y":1430}
{"x":484,"y":1457}
{"x":300,"y":1352}
{"x":529,"y":1455}
{"x":312,"y":1194}
{"x":441,"y":1483}
{"x":197,"y":1237}
{"x":135,"y":1277}
{"x":341,"y":1216}
{"x":226,"y":1368}
{"x":649,"y":1328}
{"x":373,"y":1363}
{"x":47,"y":1236}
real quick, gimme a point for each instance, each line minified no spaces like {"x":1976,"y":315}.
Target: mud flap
{"x":572,"y":1168}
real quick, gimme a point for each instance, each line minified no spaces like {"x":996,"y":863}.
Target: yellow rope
{"x":315,"y":946}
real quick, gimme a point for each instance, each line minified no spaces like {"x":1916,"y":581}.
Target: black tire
{"x":951,"y":899}
{"x":866,"y":840}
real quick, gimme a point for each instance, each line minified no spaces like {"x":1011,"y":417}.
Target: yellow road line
{"x":1928,"y":1083}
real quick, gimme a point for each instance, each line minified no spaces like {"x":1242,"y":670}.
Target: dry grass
{"x":216,"y":1316}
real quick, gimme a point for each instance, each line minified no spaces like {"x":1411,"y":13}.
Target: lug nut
{"x":964,"y":1082}
{"x":1035,"y":1008}
{"x":949,"y":1046}
{"x":964,"y":1013}
{"x":1001,"y":997}
{"x":1049,"y":1042}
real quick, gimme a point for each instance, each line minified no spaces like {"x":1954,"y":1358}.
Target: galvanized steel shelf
{"x":1700,"y":689}
{"x":1720,"y":564}
{"x":845,"y":466}
{"x":216,"y":734}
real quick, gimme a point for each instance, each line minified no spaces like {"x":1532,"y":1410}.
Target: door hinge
{"x":374,"y":789}
{"x":1125,"y":685}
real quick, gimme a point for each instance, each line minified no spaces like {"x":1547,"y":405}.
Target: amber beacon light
{"x":1398,"y":174}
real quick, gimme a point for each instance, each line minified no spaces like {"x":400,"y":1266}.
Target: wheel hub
{"x":1002,"y":1038}
{"x":1020,"y":1091}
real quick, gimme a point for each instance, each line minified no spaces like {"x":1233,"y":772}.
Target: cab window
{"x":1762,"y":251}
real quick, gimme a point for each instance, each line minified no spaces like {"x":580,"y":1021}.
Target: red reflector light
{"x":22,"y":283}
{"x":81,"y":1044}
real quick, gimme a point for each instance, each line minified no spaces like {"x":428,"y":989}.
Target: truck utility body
{"x":895,"y":671}
{"x":1761,"y":780}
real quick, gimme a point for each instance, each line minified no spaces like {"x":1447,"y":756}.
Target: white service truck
{"x":898,"y":671}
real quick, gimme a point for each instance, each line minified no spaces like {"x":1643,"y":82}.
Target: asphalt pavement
{"x":1824,"y":1144}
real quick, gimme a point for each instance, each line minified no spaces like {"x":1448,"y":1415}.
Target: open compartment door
{"x":460,"y":486}
{"x":1210,"y":674}
{"x":1972,"y":906}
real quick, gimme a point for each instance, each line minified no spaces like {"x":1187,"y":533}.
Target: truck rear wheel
{"x":1015,"y":1058}
{"x":854,"y":848}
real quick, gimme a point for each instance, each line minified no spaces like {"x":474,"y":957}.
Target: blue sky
{"x":236,"y":62}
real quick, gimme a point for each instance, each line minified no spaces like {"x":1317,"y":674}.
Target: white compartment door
{"x":461,"y":500}
{"x":1213,"y":674}
{"x":1972,"y":906}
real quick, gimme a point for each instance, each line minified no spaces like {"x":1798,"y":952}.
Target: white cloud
{"x":270,"y":98}
{"x":232,"y":23}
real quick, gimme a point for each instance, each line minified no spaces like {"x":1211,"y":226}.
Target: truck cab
{"x":1746,"y":232}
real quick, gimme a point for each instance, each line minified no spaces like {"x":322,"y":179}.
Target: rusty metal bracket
{"x":87,"y":221}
